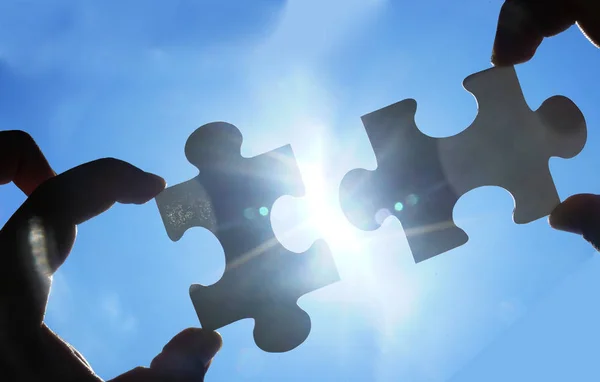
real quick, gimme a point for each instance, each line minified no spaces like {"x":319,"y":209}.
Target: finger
{"x":588,"y":19}
{"x":142,"y":374}
{"x":523,"y":24}
{"x":77,"y":195}
{"x":39,"y":236}
{"x":90,"y":189}
{"x":579,"y":214}
{"x":22,"y":161}
{"x":189,"y":353}
{"x":185,"y":358}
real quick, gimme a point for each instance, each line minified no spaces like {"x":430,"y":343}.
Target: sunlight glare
{"x":373,"y":283}
{"x":325,"y":214}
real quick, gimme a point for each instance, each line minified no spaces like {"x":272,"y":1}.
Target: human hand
{"x":522,"y":26}
{"x":186,"y":358}
{"x":38,"y":238}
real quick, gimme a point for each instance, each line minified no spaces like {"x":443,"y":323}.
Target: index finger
{"x":75,"y":196}
{"x":22,"y":161}
{"x":523,"y":24}
{"x":37,"y":239}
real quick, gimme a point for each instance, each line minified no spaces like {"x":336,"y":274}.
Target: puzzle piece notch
{"x":262,"y":280}
{"x":215,"y":149}
{"x":415,"y":192}
{"x":420,"y":178}
{"x":516,"y":161}
{"x":280,"y":325}
{"x":293,"y":225}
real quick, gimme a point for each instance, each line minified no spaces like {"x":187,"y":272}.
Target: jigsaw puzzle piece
{"x":509,"y":145}
{"x":280,"y":325}
{"x":232,"y":197}
{"x":229,"y":186}
{"x":409,"y":183}
{"x":420,"y":178}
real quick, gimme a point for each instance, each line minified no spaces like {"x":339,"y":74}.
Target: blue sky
{"x":133,"y":79}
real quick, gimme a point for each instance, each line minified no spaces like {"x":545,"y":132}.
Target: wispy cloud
{"x":117,"y":316}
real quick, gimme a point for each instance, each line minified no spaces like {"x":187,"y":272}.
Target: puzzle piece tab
{"x":232,"y":197}
{"x":420,"y":178}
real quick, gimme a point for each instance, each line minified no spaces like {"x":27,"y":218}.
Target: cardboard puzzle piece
{"x":232,"y":197}
{"x":420,"y":178}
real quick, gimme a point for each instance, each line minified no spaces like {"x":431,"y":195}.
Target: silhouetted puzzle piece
{"x":419,"y":178}
{"x":231,"y":197}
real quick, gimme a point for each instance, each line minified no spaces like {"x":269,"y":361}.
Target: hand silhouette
{"x":522,"y":26}
{"x":38,"y":238}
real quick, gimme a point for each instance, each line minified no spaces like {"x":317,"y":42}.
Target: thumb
{"x":188,"y":354}
{"x":185,"y":358}
{"x":579,"y":214}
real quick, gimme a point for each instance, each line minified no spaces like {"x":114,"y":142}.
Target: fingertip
{"x":189,"y":351}
{"x":90,"y":189}
{"x":517,"y":38}
{"x":505,"y":59}
{"x":511,"y":48}
{"x":577,"y":214}
{"x":155,"y":184}
{"x":565,"y":216}
{"x":22,"y":161}
{"x":218,"y":340}
{"x":199,"y":340}
{"x":126,"y":182}
{"x":589,"y":24}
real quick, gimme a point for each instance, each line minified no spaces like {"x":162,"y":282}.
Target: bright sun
{"x":325,"y":214}
{"x":352,"y":255}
